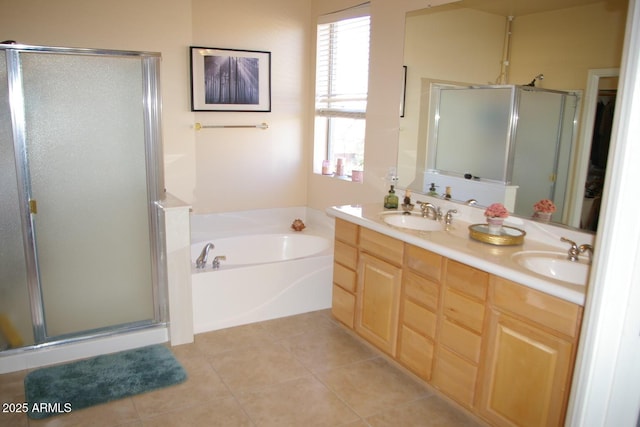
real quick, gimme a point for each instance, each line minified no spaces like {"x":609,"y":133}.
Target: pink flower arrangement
{"x":496,"y":210}
{"x":544,"y":205}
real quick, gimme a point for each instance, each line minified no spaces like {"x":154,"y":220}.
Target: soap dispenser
{"x":391,"y":200}
{"x":432,"y":190}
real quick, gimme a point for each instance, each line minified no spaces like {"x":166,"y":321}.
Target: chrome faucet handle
{"x":448,"y":218}
{"x":216,"y":261}
{"x":573,"y":250}
{"x":586,"y":248}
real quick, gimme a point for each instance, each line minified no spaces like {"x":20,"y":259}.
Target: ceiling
{"x":522,"y":7}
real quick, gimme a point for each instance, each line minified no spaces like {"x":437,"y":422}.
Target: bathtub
{"x":266,"y":275}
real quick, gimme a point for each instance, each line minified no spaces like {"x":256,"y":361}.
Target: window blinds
{"x":342,"y":66}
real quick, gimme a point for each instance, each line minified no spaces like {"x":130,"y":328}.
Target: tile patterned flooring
{"x":302,"y":370}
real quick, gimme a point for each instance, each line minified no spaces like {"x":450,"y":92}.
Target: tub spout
{"x":202,"y":259}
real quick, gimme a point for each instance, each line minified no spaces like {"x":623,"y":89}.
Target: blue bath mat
{"x":65,"y":388}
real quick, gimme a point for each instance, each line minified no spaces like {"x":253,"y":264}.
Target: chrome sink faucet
{"x":428,"y":210}
{"x":201,"y":261}
{"x":575,"y":250}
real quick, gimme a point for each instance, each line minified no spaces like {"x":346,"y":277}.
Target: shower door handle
{"x":33,"y":206}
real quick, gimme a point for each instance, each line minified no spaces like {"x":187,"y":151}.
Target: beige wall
{"x":146,"y":25}
{"x":385,"y":71}
{"x":242,"y":169}
{"x":565,"y":44}
{"x":214,"y":169}
{"x":234,"y":169}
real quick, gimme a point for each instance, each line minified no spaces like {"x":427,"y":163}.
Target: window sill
{"x":340,"y":178}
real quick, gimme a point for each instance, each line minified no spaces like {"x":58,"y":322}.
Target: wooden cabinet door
{"x":527,"y":374}
{"x":377,"y":303}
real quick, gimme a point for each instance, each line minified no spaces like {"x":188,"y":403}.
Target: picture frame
{"x":230,"y":79}
{"x":403,"y":92}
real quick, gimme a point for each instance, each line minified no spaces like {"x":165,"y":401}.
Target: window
{"x":342,"y":71}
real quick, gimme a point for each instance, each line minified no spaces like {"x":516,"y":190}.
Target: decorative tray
{"x":508,"y":235}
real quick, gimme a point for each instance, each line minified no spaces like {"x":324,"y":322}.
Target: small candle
{"x":325,"y":167}
{"x":340,"y":167}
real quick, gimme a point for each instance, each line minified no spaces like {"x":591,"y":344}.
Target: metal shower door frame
{"x":155,"y":186}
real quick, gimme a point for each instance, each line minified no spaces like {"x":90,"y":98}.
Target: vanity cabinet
{"x":531,"y":345}
{"x":502,"y":350}
{"x":459,"y":342}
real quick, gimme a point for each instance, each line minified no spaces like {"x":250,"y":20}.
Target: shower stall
{"x":82,"y":253}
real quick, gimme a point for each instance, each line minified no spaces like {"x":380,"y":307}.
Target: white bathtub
{"x":264,"y":276}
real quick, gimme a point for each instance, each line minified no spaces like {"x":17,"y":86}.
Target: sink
{"x":554,"y":265}
{"x":413,"y":222}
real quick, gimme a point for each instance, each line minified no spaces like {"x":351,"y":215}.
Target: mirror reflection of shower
{"x":539,"y":77}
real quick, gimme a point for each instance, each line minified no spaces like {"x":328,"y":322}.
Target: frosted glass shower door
{"x":544,"y":139}
{"x":86,"y":155}
{"x":14,"y":295}
{"x":473,"y":131}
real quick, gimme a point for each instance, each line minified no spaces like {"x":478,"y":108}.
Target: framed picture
{"x":230,"y":79}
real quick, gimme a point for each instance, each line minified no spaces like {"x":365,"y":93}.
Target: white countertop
{"x":455,"y":243}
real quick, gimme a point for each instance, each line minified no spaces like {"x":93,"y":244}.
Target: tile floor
{"x":302,"y":370}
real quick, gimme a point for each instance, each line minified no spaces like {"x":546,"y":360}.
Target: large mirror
{"x":563,"y":45}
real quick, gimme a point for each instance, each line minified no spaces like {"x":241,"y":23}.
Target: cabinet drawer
{"x":455,"y":377}
{"x":424,"y":262}
{"x":463,"y":310}
{"x":344,"y":277}
{"x":416,"y":352}
{"x":382,"y":246}
{"x":421,"y":290}
{"x":547,"y":310}
{"x":343,"y":306}
{"x":419,"y":319}
{"x":461,"y":340}
{"x":467,"y":279}
{"x":346,"y":232}
{"x":345,"y":255}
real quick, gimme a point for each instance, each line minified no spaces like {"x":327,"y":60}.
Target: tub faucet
{"x":201,"y":261}
{"x":216,"y":261}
